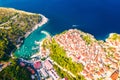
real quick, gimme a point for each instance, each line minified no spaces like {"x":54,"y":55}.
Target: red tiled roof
{"x":98,"y":72}
{"x":66,"y":78}
{"x":101,"y":70}
{"x":22,"y":64}
{"x":31,"y":70}
{"x":114,"y":76}
{"x":37,"y":65}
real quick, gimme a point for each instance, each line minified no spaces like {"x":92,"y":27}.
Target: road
{"x":63,"y":69}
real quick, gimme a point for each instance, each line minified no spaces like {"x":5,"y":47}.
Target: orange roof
{"x":98,"y":72}
{"x":114,"y":76}
{"x":90,"y":76}
{"x":87,"y":67}
{"x":101,"y":70}
{"x":92,"y":71}
{"x":85,"y":71}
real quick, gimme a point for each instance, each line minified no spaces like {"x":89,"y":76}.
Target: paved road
{"x":63,"y":68}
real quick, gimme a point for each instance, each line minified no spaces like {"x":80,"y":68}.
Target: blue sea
{"x":97,"y":17}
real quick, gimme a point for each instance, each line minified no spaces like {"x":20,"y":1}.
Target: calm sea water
{"x":98,"y":17}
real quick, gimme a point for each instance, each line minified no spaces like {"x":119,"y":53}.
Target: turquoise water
{"x":98,"y":17}
{"x":29,"y":47}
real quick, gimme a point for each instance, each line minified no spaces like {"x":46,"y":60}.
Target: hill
{"x":14,"y":27}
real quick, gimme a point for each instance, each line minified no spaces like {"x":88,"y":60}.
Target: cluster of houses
{"x":44,"y":65}
{"x":45,"y":69}
{"x":97,"y":62}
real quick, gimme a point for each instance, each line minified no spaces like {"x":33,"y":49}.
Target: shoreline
{"x":43,"y":21}
{"x":41,"y":42}
{"x":46,"y":33}
{"x":40,"y":24}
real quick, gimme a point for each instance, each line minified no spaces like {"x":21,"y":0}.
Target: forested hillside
{"x":14,"y":24}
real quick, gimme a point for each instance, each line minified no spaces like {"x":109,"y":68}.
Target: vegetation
{"x":87,"y":39}
{"x":15,"y":72}
{"x":64,"y":32}
{"x":6,"y":47}
{"x":114,"y":36}
{"x":14,"y":24}
{"x":100,"y":78}
{"x":58,"y":54}
{"x":109,"y":54}
{"x":63,"y":74}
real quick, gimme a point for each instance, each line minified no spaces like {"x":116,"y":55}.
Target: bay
{"x":97,"y":17}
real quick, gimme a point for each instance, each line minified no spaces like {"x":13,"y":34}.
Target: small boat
{"x":75,"y":25}
{"x":35,"y":48}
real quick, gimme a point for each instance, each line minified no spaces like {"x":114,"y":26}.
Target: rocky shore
{"x":43,"y":21}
